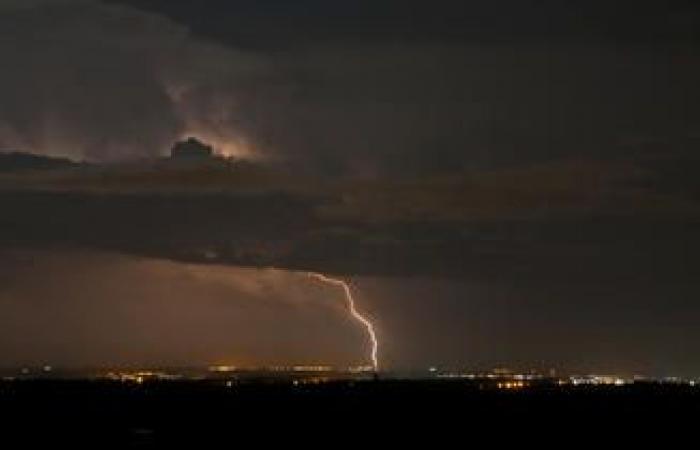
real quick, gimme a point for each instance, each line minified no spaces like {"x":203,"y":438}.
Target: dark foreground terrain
{"x":99,"y":414}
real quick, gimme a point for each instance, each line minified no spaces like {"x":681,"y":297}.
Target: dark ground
{"x":98,"y":414}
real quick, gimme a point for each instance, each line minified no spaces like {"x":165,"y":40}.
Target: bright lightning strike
{"x":351,"y":306}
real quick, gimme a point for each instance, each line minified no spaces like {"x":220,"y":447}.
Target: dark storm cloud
{"x":548,"y":150}
{"x":284,"y":23}
{"x":575,"y":219}
{"x":350,"y":88}
{"x":87,"y":80}
{"x":71,"y":86}
{"x":396,"y":87}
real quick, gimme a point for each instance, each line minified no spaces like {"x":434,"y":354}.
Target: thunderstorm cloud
{"x":490,"y":175}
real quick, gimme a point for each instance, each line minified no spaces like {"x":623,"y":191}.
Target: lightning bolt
{"x":353,"y":311}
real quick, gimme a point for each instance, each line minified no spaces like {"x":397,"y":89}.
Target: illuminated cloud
{"x":110,"y":94}
{"x":126,"y":84}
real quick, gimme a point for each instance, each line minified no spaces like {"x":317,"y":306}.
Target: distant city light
{"x":222,"y":368}
{"x":312,"y":368}
{"x":314,"y":374}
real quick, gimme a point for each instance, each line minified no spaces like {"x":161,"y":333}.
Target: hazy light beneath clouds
{"x":103,"y":309}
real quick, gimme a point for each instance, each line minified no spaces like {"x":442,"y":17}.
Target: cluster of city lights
{"x":294,"y":368}
{"x":141,"y":376}
{"x":314,"y":380}
{"x":321,"y":373}
{"x":507,"y":379}
{"x":599,"y":380}
{"x":222,"y":369}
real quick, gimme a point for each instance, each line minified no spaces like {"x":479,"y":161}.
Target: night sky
{"x":504,"y":183}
